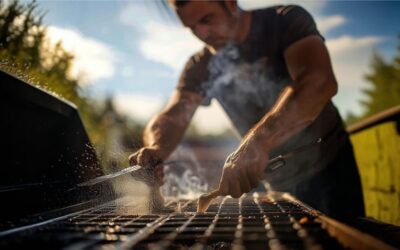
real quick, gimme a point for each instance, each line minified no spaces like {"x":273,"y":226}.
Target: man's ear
{"x":232,"y":7}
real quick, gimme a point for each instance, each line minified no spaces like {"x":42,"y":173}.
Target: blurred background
{"x":118,"y":62}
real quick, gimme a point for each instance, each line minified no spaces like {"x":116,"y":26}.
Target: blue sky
{"x":128,"y":50}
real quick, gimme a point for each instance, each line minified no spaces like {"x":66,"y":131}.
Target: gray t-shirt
{"x":247,"y":79}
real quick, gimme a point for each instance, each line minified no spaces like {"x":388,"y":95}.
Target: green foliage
{"x":383,"y":89}
{"x":351,"y":117}
{"x":25,"y":52}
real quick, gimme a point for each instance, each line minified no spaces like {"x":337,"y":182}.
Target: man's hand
{"x":165,"y":130}
{"x":146,"y":156}
{"x":149,"y":158}
{"x":244,"y":167}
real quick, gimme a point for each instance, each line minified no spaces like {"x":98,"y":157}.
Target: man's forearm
{"x":165,"y":130}
{"x":164,"y":133}
{"x":296,"y":108}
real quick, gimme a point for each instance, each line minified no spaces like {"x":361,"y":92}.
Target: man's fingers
{"x":143,"y":157}
{"x":234,"y":185}
{"x":132,"y":160}
{"x":235,"y":182}
{"x":253,"y":178}
{"x":151,"y":172}
{"x":245,"y":185}
{"x":224,"y":183}
{"x":138,"y":158}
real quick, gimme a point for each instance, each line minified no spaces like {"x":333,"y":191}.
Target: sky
{"x":134,"y":51}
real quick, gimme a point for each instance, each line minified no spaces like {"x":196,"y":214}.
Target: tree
{"x":25,"y":53}
{"x":383,"y":86}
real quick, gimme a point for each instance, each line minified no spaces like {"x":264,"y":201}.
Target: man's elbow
{"x":328,"y":87}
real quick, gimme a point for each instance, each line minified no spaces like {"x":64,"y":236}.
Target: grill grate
{"x":251,"y":222}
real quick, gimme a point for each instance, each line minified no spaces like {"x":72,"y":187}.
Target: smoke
{"x":247,"y":85}
{"x":136,"y":198}
{"x":245,"y":89}
{"x":228,"y":69}
{"x":184,"y":178}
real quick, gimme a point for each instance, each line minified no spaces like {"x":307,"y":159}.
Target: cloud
{"x":351,"y":56}
{"x":211,"y":119}
{"x":342,"y":45}
{"x":93,"y":60}
{"x":350,"y":60}
{"x":167,"y":44}
{"x":208,"y":120}
{"x":139,"y":107}
{"x":140,"y":12}
{"x":161,"y":38}
{"x":171,"y":45}
{"x":326,"y":24}
{"x":312,"y":6}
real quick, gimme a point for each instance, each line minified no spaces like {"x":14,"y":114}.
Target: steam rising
{"x":246,"y":91}
{"x":184,"y":178}
{"x":136,"y":196}
{"x":228,"y":69}
{"x":186,"y":186}
{"x":244,"y":88}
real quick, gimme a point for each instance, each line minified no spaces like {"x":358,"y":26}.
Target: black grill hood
{"x":45,"y":151}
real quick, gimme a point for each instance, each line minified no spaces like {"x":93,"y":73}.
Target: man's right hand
{"x":146,"y":156}
{"x":149,"y":158}
{"x":164,"y":131}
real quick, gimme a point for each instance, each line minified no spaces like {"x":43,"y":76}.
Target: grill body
{"x":258,"y":221}
{"x":45,"y":150}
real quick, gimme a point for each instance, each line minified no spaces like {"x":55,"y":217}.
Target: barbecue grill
{"x":257,"y":221}
{"x":54,"y":217}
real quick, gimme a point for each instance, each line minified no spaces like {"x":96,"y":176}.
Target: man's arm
{"x":314,"y":85}
{"x":163,"y":133}
{"x":297,"y":107}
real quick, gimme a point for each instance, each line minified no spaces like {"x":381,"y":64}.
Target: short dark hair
{"x":178,"y":3}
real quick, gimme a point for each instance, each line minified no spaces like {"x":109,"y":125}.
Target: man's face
{"x":209,"y":21}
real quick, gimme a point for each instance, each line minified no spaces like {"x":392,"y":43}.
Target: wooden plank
{"x":377,"y":152}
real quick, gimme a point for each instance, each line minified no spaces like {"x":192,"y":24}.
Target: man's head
{"x":214,"y":22}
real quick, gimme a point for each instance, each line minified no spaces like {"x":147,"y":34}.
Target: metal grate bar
{"x":144,"y":232}
{"x":258,"y":221}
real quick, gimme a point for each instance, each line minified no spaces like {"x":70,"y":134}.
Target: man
{"x":271,"y":72}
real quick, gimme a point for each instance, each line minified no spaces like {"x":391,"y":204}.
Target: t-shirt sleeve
{"x":195,"y":75}
{"x":295,"y":23}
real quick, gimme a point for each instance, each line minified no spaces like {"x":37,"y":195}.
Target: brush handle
{"x":214,"y":194}
{"x":275,"y":163}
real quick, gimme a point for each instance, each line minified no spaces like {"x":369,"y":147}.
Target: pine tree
{"x":24,"y":52}
{"x":384,"y":84}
